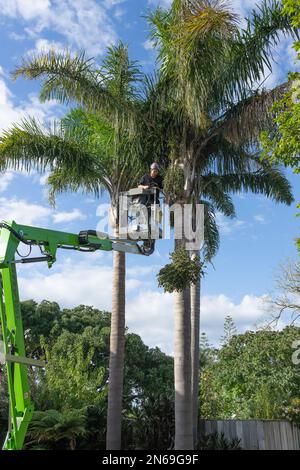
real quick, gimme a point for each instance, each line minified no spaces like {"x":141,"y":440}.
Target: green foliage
{"x":38,"y":320}
{"x":253,"y":376}
{"x":292,"y":411}
{"x":151,"y":426}
{"x":76,"y":378}
{"x":75,"y":343}
{"x":179,"y":274}
{"x":205,"y":351}
{"x":174,"y":182}
{"x":217,"y":441}
{"x":282,"y":144}
{"x":292,"y":8}
{"x":49,"y":428}
{"x":229,"y":330}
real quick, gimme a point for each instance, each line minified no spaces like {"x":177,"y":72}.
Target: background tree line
{"x":250,"y":375}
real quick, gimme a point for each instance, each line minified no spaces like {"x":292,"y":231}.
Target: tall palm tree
{"x":91,"y":149}
{"x":208,"y":88}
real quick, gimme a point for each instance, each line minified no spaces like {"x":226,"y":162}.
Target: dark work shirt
{"x":147,"y":180}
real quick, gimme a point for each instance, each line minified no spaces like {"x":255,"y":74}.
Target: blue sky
{"x":252,"y":246}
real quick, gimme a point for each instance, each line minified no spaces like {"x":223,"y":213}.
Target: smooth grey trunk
{"x":195,"y":353}
{"x":116,"y":359}
{"x":182,"y":368}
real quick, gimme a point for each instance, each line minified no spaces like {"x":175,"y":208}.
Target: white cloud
{"x":5,"y":180}
{"x":63,"y":217}
{"x":11,"y":113}
{"x":28,"y":213}
{"x":44,"y":45}
{"x":148,"y":45}
{"x":260,"y":218}
{"x":23,"y":212}
{"x":85,"y":24}
{"x":43,"y":180}
{"x":112,"y":3}
{"x":84,"y":278}
{"x":150,"y":315}
{"x":160,"y":3}
{"x":25,"y":8}
{"x":227,"y":225}
{"x":119,"y":13}
{"x":71,"y":283}
{"x":16,"y":36}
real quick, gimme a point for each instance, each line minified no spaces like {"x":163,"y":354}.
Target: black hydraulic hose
{"x":17,"y":235}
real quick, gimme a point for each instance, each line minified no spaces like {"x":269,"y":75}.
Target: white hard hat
{"x":154,"y":166}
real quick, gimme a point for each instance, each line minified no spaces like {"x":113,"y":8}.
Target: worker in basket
{"x":152,"y":180}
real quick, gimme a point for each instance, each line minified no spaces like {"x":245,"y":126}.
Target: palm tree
{"x":51,"y":426}
{"x":93,"y":148}
{"x":215,"y":111}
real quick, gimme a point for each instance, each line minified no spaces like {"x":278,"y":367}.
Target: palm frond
{"x":214,"y":192}
{"x":269,"y":181}
{"x":29,"y":147}
{"x":220,"y":156}
{"x":211,"y":232}
{"x":251,"y":52}
{"x":205,"y":18}
{"x":120,"y":74}
{"x":243,"y":122}
{"x":68,"y":78}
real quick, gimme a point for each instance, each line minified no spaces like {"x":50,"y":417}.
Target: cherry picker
{"x":12,"y":346}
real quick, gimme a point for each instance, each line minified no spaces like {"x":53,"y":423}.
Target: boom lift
{"x":13,"y":346}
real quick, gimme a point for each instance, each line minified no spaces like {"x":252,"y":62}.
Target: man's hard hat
{"x":154,"y":166}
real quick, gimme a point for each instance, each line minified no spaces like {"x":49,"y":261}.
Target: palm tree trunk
{"x":182,"y":370}
{"x":195,"y":340}
{"x":116,"y":359}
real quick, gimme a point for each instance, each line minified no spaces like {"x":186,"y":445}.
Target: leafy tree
{"x":76,"y":378}
{"x":229,"y":330}
{"x":253,"y":376}
{"x":38,"y":320}
{"x":207,"y":352}
{"x":283,"y":143}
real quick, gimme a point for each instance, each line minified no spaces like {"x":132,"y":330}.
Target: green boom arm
{"x":13,"y":346}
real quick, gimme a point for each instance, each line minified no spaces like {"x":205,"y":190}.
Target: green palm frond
{"x":120,"y":74}
{"x":220,"y":156}
{"x":243,"y":122}
{"x":52,"y":425}
{"x":161,"y":34}
{"x":29,"y":147}
{"x":214,"y":192}
{"x":211,"y":232}
{"x":203,"y":19}
{"x":67,"y":78}
{"x":251,"y":52}
{"x":269,"y":181}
